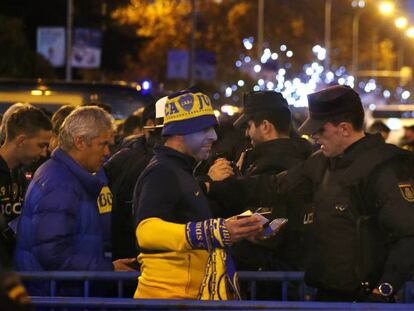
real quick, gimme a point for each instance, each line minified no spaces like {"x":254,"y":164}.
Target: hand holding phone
{"x":274,"y":227}
{"x":248,"y":213}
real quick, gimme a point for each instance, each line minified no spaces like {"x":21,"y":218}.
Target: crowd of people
{"x":166,"y":193}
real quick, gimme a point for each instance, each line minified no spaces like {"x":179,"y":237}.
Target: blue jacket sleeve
{"x":54,"y":224}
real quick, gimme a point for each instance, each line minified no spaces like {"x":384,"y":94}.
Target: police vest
{"x":347,"y":246}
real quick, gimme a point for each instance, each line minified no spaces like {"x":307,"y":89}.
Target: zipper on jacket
{"x":188,"y":273}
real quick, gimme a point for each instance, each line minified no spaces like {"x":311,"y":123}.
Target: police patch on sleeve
{"x":407,"y":191}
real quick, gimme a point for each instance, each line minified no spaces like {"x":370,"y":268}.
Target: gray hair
{"x":87,"y":122}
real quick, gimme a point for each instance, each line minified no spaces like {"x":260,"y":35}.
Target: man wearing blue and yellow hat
{"x":183,"y":248}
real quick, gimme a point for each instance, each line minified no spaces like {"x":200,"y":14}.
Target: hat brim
{"x":159,"y":124}
{"x":311,"y":126}
{"x":241,"y":121}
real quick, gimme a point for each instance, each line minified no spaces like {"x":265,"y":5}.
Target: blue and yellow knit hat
{"x":186,"y":112}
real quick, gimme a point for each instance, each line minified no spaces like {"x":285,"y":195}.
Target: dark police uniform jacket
{"x":275,"y":156}
{"x":359,"y":213}
{"x":123,"y":170}
{"x":13,"y":185}
{"x":284,"y":251}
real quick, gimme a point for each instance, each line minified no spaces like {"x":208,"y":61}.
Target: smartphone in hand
{"x":274,"y":226}
{"x":263,"y":211}
{"x":261,"y":216}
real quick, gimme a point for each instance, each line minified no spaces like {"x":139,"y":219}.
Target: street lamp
{"x":69,"y":28}
{"x":355,"y":42}
{"x":385,"y":8}
{"x":260,"y":27}
{"x":410,"y":32}
{"x":401,"y":22}
{"x":328,"y":15}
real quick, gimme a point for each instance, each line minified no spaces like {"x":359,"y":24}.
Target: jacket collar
{"x":93,"y":183}
{"x":134,"y":142}
{"x":185,"y":161}
{"x":276,"y":155}
{"x":3,"y":165}
{"x":281,"y":145}
{"x":367,"y":142}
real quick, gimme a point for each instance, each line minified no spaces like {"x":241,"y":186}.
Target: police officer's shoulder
{"x":311,"y":169}
{"x":402,"y":164}
{"x":316,"y":157}
{"x":303,"y":146}
{"x":395,"y":170}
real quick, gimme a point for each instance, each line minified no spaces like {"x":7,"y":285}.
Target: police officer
{"x":361,"y":217}
{"x":407,"y":141}
{"x":267,"y":122}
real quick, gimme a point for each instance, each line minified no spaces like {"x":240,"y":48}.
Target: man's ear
{"x":264,"y":125}
{"x":347,"y":129}
{"x":20,"y":139}
{"x":79,"y":143}
{"x":267,"y":126}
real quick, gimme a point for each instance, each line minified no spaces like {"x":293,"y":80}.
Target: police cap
{"x":261,"y":102}
{"x":329,"y":103}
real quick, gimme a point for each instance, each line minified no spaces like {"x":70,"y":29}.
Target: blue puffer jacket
{"x":60,"y":226}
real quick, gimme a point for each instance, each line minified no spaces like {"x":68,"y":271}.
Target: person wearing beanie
{"x":359,"y":194}
{"x":182,"y":247}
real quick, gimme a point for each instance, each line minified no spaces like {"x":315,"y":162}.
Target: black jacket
{"x":359,"y":213}
{"x":9,"y":281}
{"x":268,"y":158}
{"x":361,"y":226}
{"x":284,"y":252}
{"x":13,"y":185}
{"x":275,"y":156}
{"x":123,"y":170}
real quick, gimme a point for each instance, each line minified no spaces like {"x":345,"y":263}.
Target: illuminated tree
{"x":222,"y":25}
{"x":166,"y":25}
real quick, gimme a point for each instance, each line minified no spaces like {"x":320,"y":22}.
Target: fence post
{"x":86,"y":288}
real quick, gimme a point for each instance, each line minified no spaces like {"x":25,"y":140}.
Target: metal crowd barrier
{"x":104,"y":304}
{"x":252,"y":277}
{"x":85,"y":276}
